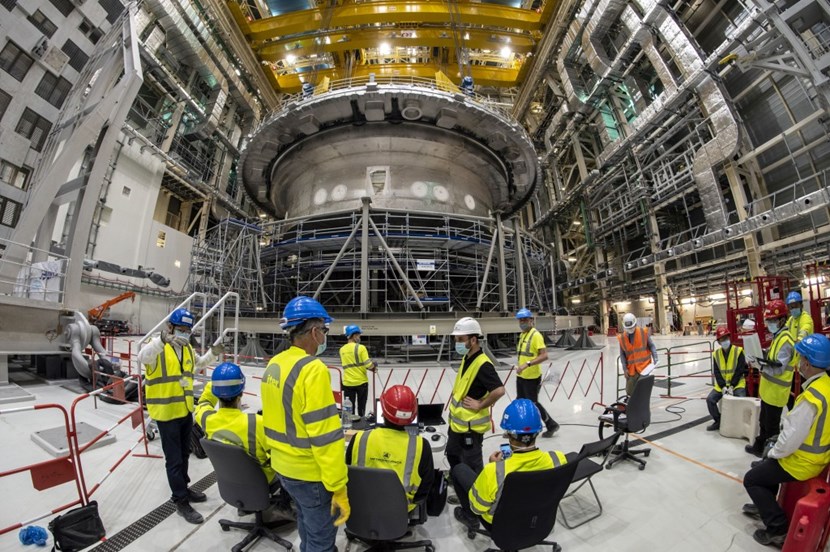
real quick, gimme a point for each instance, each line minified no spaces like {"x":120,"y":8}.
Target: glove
{"x":33,"y":534}
{"x":166,"y":336}
{"x":181,"y":341}
{"x":217,"y":350}
{"x":727,"y":390}
{"x":769,"y":445}
{"x":340,"y":501}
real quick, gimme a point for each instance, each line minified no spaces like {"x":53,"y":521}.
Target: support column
{"x":553,"y":274}
{"x":518,"y":259}
{"x":364,"y":258}
{"x":660,"y":281}
{"x":175,"y":120}
{"x":4,"y":369}
{"x":753,"y":254}
{"x":502,"y":267}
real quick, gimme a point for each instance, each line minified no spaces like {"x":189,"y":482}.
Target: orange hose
{"x":693,"y":461}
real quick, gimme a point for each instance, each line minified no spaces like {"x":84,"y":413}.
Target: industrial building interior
{"x":406,"y":163}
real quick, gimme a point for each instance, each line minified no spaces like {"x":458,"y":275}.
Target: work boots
{"x":184,"y":509}
{"x":196,"y":496}
{"x":552,"y":428}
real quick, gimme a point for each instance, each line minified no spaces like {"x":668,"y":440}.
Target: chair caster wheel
{"x":226,"y":528}
{"x":429,"y":549}
{"x":608,"y":466}
{"x":642,"y":468}
{"x":471,"y":534}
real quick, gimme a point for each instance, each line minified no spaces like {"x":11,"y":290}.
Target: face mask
{"x":795,"y":313}
{"x":182,"y":333}
{"x":772,"y":327}
{"x":322,"y":346}
{"x":461,"y":348}
{"x":524,"y":326}
{"x":630,"y":331}
{"x":725,"y":344}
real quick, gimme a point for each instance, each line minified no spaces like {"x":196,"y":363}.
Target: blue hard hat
{"x":351,"y":330}
{"x":521,"y":417}
{"x":794,"y":297}
{"x":300,"y":309}
{"x":182,"y":317}
{"x":816,"y":349}
{"x":524,"y":313}
{"x":228,"y":381}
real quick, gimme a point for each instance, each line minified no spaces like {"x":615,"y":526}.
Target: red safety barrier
{"x":807,"y":504}
{"x":600,"y":383}
{"x":49,"y":473}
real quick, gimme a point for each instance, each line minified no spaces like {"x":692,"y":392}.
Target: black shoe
{"x":184,"y":509}
{"x":756,"y":463}
{"x":752,"y":450}
{"x":452,"y":500}
{"x":751,"y":510}
{"x":552,"y":428}
{"x":469,"y":521}
{"x":196,"y":496}
{"x":714,"y":427}
{"x":763,"y":536}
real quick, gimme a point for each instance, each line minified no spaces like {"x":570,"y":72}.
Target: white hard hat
{"x":467,"y":326}
{"x":629,"y":320}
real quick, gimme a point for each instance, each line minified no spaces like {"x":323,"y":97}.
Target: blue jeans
{"x":314,"y":519}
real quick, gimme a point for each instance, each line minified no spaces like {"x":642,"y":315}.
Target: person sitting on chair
{"x":232,"y":426}
{"x":729,"y":369}
{"x":802,"y":449}
{"x":479,"y":496}
{"x":391,"y":447}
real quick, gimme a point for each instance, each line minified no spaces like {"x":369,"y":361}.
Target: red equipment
{"x":807,"y":504}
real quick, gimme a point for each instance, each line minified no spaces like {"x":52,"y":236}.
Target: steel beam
{"x":364,"y":257}
{"x":502,"y":265}
{"x":395,"y":264}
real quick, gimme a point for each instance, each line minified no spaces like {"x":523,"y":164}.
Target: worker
{"x":799,"y":323}
{"x":729,"y":370}
{"x":230,"y":425}
{"x":476,"y":388}
{"x":391,"y":447}
{"x":637,"y":351}
{"x":303,"y":428}
{"x":802,"y":449}
{"x":479,"y":493}
{"x":355,"y":361}
{"x":531,"y":352}
{"x":169,"y":362}
{"x":776,"y":374}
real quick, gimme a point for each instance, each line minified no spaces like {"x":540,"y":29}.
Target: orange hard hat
{"x":775,"y":309}
{"x":399,"y":405}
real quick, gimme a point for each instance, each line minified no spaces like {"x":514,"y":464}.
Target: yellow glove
{"x":340,"y":501}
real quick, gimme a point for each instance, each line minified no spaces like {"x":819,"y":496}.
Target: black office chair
{"x":380,"y":516}
{"x":242,"y":484}
{"x":526,"y":511}
{"x":631,"y":417}
{"x":586,"y":469}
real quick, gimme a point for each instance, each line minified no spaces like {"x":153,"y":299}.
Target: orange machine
{"x":97,"y":313}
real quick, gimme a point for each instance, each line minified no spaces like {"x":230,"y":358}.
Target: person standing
{"x":303,"y":427}
{"x":169,"y":362}
{"x":802,"y":449}
{"x":637,"y":351}
{"x":354,"y":358}
{"x":531,"y":352}
{"x":391,"y":447}
{"x":729,"y":370}
{"x":776,"y":374}
{"x":476,"y":388}
{"x":799,"y":323}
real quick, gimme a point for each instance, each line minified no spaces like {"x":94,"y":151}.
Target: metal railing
{"x":40,"y":276}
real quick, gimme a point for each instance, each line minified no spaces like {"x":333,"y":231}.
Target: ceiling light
{"x":328,"y":40}
{"x":572,"y":259}
{"x":385,"y":49}
{"x":577,"y":223}
{"x":290,"y":59}
{"x":506,"y":52}
{"x":466,"y":36}
{"x":576,"y":300}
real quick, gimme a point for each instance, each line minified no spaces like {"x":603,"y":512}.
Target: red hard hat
{"x":722,"y":331}
{"x":399,"y":405}
{"x":775,"y":309}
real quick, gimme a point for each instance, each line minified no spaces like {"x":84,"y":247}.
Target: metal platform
{"x":54,"y":442}
{"x":12,"y":393}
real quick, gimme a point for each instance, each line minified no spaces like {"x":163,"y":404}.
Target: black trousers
{"x":463,"y":477}
{"x":761,"y":483}
{"x":529,"y":389}
{"x":357,"y":395}
{"x":770,"y":423}
{"x":175,"y":442}
{"x":465,"y":448}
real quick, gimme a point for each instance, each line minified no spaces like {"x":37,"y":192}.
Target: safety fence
{"x":69,"y":466}
{"x":681,"y":362}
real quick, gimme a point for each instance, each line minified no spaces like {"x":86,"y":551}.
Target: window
{"x":14,"y":175}
{"x":9,"y":212}
{"x":90,"y":31}
{"x":53,"y":89}
{"x":5,"y":100}
{"x":64,"y":6}
{"x":42,"y":23}
{"x":77,"y":57}
{"x":113,"y":9}
{"x":15,"y":61}
{"x":34,"y":127}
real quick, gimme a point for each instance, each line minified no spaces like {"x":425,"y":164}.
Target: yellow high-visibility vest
{"x":775,"y":390}
{"x":463,"y":419}
{"x":354,"y":358}
{"x":727,"y":366}
{"x":394,"y":450}
{"x":530,"y":342}
{"x":168,"y":386}
{"x":814,"y":453}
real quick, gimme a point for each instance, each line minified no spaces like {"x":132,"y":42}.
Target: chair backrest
{"x":602,"y":446}
{"x":638,"y":409}
{"x":378,"y":503}
{"x":241,"y":480}
{"x":527,"y":508}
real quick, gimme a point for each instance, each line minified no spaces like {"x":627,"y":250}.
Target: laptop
{"x":753,"y":350}
{"x":431,"y":414}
